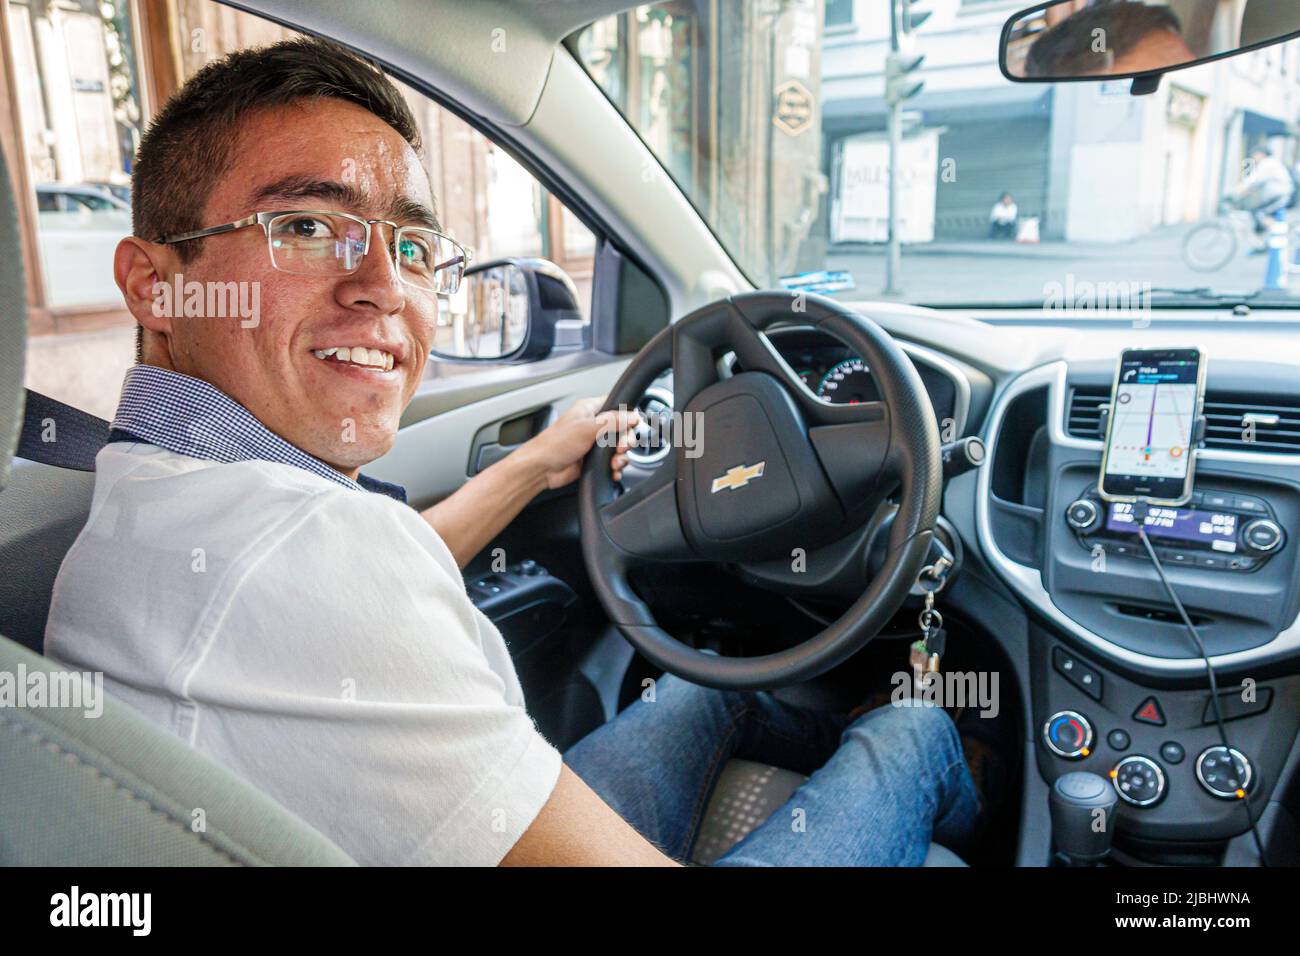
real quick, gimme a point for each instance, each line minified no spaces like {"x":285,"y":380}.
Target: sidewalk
{"x":1167,"y":240}
{"x":992,"y":271}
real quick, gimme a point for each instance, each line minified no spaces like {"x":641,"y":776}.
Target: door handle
{"x":493,"y":442}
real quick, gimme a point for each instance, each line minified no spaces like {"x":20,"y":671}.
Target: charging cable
{"x":1140,"y":512}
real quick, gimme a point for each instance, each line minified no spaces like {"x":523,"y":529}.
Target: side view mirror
{"x":1113,"y":39}
{"x":509,"y":310}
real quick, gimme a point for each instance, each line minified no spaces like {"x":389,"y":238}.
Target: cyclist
{"x":1266,"y":188}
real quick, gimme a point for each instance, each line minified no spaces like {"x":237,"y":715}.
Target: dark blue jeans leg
{"x":657,"y":762}
{"x":897,"y":782}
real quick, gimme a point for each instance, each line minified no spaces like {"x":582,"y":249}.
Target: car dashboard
{"x":1108,"y":677}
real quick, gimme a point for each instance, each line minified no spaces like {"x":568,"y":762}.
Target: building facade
{"x":1054,"y":147}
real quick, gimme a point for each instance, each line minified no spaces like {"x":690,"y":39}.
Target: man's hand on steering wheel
{"x":561,"y":447}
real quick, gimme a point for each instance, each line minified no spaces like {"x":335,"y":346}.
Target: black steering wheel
{"x":773,"y":468}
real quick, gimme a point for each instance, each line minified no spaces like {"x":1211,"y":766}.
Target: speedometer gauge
{"x":847,"y":383}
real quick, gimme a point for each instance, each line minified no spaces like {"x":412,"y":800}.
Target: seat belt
{"x":66,"y":437}
{"x":60,"y":435}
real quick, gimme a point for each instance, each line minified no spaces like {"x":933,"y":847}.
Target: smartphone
{"x":1154,"y":406}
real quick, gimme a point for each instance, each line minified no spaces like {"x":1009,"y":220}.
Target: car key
{"x":926,"y":652}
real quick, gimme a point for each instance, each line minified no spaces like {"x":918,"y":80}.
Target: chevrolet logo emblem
{"x":737,"y":477}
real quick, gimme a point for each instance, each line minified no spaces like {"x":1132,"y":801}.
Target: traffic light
{"x":911,"y":17}
{"x":900,"y":84}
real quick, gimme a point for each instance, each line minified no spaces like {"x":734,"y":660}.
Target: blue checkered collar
{"x":190,"y":417}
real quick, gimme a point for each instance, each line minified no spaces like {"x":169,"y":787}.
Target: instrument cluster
{"x":833,"y":373}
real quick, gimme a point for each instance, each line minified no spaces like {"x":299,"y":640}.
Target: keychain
{"x":926,"y":652}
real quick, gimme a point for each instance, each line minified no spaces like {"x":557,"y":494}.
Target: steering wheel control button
{"x":1262,"y":535}
{"x":1139,"y":781}
{"x":1224,"y":772}
{"x":1068,"y":734}
{"x":1172,"y":751}
{"x":1082,"y":515}
{"x":1149,"y":712}
{"x":1118,"y":739}
{"x":1081,"y":675}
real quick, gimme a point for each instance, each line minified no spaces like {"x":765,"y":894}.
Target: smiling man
{"x":242,"y":583}
{"x":239,"y":580}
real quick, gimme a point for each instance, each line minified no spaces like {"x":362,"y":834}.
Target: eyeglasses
{"x":309,"y":242}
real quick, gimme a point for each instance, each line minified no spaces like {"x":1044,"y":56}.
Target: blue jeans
{"x":880,"y":787}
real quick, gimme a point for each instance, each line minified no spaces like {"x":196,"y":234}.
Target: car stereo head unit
{"x":1214,"y":530}
{"x":1193,"y":527}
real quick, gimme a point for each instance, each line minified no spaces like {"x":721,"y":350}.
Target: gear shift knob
{"x":1082,"y":806}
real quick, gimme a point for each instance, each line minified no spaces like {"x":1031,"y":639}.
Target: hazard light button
{"x":1149,"y":712}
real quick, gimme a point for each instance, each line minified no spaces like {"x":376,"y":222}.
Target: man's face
{"x":332,"y":156}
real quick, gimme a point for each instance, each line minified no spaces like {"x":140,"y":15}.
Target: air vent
{"x":1240,"y":421}
{"x":1237,"y":421}
{"x":1083,"y":420}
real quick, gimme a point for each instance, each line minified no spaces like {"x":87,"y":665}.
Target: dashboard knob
{"x":1262,"y":535}
{"x":1139,"y":781}
{"x":1224,"y":772}
{"x":1082,"y":515}
{"x":1068,"y":734}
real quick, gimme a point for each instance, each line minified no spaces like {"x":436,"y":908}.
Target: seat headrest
{"x":13,"y":324}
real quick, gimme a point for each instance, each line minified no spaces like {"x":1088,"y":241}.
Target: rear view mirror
{"x":1111,"y":39}
{"x":507,"y":310}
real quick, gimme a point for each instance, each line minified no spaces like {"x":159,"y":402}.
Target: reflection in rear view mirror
{"x":1076,"y":39}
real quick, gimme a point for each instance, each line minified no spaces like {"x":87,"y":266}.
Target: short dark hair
{"x":1066,"y":48}
{"x":188,"y":145}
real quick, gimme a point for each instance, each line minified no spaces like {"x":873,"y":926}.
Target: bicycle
{"x":1211,"y":245}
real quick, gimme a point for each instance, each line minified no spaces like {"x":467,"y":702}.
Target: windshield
{"x":775,"y":119}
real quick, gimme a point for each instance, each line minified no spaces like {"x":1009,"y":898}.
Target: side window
{"x":497,"y":209}
{"x":78,"y":103}
{"x":71,"y":119}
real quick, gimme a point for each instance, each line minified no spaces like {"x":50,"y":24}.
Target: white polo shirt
{"x":314,"y":637}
